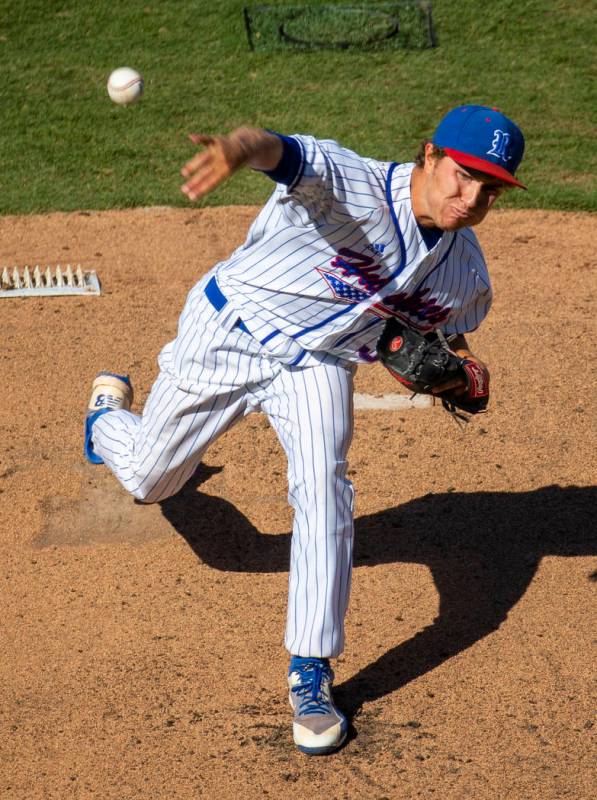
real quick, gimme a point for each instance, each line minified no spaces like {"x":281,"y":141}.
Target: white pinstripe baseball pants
{"x":210,"y":377}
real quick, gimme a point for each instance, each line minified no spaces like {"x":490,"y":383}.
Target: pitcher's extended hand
{"x":223,"y":155}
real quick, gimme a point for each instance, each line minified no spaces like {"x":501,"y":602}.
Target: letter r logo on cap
{"x":500,"y":145}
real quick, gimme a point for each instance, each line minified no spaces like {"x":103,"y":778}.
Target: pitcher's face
{"x":455,"y":196}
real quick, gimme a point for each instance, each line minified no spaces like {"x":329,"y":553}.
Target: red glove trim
{"x":477,"y":379}
{"x":400,"y":379}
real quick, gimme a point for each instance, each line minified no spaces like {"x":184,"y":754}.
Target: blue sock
{"x":88,"y":447}
{"x":299,"y":661}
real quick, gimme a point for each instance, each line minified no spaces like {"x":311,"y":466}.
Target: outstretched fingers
{"x":200,"y":138}
{"x":207,"y":169}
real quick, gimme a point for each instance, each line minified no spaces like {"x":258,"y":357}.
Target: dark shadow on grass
{"x":482,"y":549}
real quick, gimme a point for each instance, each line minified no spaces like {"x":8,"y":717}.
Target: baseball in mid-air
{"x":125,"y":86}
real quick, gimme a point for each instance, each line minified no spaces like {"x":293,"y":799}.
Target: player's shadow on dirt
{"x":481,"y":548}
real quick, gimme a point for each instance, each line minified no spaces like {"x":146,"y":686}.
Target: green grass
{"x":65,"y":146}
{"x":404,"y":24}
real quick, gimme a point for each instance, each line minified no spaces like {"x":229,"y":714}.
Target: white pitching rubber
{"x":392,"y":402}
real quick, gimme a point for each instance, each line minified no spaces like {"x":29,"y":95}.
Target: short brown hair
{"x":437,"y":152}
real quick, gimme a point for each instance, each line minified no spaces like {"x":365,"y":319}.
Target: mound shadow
{"x":482,"y":549}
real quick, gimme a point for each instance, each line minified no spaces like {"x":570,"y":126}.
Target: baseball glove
{"x":422,"y":362}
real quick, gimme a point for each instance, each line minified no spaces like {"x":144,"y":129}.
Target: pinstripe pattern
{"x":210,"y":378}
{"x":342,"y":200}
{"x":316,"y":444}
{"x":325,"y":263}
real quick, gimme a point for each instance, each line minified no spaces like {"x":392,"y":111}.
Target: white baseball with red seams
{"x":125,"y":86}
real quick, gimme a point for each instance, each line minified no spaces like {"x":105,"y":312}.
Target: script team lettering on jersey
{"x":350,"y":263}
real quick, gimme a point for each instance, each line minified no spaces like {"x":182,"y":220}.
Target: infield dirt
{"x":142,"y":645}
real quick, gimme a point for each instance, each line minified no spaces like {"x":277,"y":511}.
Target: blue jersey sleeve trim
{"x":290,"y":167}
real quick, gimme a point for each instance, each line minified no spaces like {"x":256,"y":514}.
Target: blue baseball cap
{"x":484,"y":139}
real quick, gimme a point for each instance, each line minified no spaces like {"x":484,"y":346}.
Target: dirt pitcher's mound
{"x":142,"y":645}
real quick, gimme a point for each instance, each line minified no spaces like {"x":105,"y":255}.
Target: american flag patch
{"x":342,"y":290}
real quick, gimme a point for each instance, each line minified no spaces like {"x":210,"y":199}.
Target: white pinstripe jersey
{"x":338,"y":251}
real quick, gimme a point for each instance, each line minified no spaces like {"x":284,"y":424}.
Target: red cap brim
{"x":483,"y":166}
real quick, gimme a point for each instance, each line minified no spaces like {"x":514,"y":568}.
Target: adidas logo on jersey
{"x":376,"y":248}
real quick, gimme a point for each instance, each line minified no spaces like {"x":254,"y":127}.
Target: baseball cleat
{"x":109,"y":392}
{"x":318,"y":727}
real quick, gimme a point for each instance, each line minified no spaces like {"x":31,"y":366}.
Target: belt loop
{"x":219,"y":300}
{"x":214,"y":295}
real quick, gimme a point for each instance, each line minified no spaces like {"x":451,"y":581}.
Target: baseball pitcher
{"x":350,"y":260}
